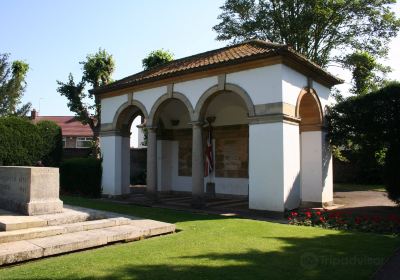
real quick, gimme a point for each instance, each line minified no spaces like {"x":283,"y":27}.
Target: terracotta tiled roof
{"x":235,"y":54}
{"x":70,"y":126}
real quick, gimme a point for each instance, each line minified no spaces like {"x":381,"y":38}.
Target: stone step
{"x":45,"y":231}
{"x":17,"y":251}
{"x":11,"y":221}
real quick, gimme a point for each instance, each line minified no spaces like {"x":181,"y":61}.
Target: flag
{"x":209,"y":162}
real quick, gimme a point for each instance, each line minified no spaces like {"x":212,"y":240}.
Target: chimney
{"x":34,"y":114}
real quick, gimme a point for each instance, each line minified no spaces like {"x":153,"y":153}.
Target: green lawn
{"x":215,"y":247}
{"x":357,"y":187}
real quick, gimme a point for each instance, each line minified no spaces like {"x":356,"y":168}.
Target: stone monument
{"x":30,"y":190}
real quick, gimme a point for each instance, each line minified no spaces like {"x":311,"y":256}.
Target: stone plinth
{"x":30,"y":190}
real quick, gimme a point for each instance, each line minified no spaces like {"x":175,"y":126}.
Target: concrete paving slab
{"x":19,"y":251}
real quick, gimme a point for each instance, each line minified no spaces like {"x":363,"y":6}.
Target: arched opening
{"x":227,"y":113}
{"x":171,"y":118}
{"x":309,"y":111}
{"x":312,"y":149}
{"x":129,"y":124}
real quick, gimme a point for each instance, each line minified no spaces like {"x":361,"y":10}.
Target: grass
{"x":216,"y":247}
{"x":358,"y":187}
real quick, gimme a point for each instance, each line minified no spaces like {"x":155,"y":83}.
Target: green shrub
{"x":392,"y":174}
{"x":52,"y":146}
{"x":24,"y":143}
{"x":81,"y":176}
{"x":369,"y":125}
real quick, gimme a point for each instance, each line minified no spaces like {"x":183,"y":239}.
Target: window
{"x":64,"y":141}
{"x":83,"y":142}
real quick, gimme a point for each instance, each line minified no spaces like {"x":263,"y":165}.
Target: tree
{"x":314,"y":28}
{"x":370,"y":123}
{"x":97,"y":71}
{"x":365,"y":69}
{"x":156,"y":58}
{"x":12,"y":86}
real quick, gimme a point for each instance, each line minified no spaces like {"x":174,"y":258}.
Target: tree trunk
{"x":96,"y":141}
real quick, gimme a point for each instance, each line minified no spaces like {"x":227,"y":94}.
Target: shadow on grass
{"x":164,"y":215}
{"x":334,"y":256}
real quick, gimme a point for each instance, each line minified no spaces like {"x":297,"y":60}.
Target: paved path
{"x":365,"y":202}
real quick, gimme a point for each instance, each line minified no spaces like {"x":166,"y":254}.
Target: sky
{"x":54,"y":36}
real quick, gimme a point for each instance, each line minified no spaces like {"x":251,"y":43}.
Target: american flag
{"x":209,"y":162}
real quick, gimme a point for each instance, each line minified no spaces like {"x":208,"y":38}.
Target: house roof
{"x":70,"y":126}
{"x":227,"y":56}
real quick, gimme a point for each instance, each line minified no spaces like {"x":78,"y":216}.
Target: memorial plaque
{"x":30,"y":190}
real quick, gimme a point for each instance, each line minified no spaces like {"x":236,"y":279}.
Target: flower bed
{"x":345,"y":221}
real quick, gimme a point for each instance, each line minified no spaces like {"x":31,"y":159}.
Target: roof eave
{"x":287,"y":55}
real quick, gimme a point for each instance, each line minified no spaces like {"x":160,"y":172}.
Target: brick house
{"x":76,"y":136}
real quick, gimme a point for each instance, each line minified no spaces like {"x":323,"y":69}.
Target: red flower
{"x":308,"y":214}
{"x":318,"y":213}
{"x":332,"y":215}
{"x":322,"y":219}
{"x":294,"y":214}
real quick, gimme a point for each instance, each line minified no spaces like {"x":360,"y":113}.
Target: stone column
{"x":152,"y":162}
{"x":316,"y":169}
{"x":197,"y":166}
{"x":111,"y":147}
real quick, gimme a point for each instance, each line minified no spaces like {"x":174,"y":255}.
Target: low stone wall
{"x":30,"y":190}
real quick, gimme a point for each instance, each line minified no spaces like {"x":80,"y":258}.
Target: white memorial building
{"x":266,"y":104}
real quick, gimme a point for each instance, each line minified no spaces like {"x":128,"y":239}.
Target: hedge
{"x":81,"y":176}
{"x":24,"y":143}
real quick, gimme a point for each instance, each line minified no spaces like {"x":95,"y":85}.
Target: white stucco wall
{"x":291,"y":154}
{"x":111,"y":152}
{"x":109,"y":107}
{"x":264,"y":84}
{"x":228,"y":109}
{"x":125,"y":165}
{"x":194,"y":89}
{"x":323,"y":94}
{"x":311,"y":166}
{"x":149,"y":96}
{"x":266,"y":173}
{"x":327,"y":172}
{"x":292,"y":84}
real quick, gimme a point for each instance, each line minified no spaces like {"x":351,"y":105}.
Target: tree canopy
{"x":97,"y":71}
{"x":370,"y":125}
{"x":322,"y":30}
{"x":365,"y":71}
{"x":12,"y":86}
{"x":156,"y":58}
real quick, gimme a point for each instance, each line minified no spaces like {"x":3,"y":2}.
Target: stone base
{"x":44,"y":207}
{"x":30,"y":190}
